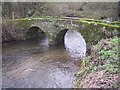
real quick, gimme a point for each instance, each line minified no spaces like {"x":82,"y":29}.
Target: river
{"x":35,"y":64}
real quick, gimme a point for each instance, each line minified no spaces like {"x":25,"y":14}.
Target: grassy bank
{"x":101,"y":68}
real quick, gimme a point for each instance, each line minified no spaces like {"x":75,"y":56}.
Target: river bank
{"x":100,"y":69}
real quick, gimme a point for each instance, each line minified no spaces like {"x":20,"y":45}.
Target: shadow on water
{"x":33,"y":64}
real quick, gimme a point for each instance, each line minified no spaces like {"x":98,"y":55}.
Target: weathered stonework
{"x":55,"y":28}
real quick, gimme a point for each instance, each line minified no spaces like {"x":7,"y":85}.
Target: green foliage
{"x":84,"y":67}
{"x":114,"y":24}
{"x":107,"y":52}
{"x":116,"y":40}
{"x":110,"y":68}
{"x":25,"y":24}
{"x":85,"y":21}
{"x":104,"y":56}
{"x":85,"y":61}
{"x":93,"y":69}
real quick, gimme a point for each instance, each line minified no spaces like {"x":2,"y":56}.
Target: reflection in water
{"x":44,"y":42}
{"x":75,"y":44}
{"x":32,"y":64}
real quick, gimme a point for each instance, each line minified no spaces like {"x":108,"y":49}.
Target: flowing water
{"x":35,"y":64}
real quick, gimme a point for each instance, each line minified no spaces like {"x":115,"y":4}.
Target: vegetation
{"x":104,"y":57}
{"x":34,"y":9}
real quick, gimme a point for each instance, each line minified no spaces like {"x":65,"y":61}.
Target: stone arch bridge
{"x":55,"y":28}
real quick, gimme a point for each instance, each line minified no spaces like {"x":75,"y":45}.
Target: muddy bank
{"x":11,"y":33}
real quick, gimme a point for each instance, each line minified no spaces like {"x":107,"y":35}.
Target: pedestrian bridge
{"x":55,"y":28}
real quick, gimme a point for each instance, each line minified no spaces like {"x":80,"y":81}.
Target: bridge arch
{"x":60,"y":37}
{"x":35,"y":32}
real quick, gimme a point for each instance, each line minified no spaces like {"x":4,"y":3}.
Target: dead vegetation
{"x":101,"y":68}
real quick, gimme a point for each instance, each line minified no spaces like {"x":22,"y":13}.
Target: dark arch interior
{"x":35,"y":32}
{"x":60,"y":37}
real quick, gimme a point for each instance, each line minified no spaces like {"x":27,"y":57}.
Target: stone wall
{"x":20,"y":29}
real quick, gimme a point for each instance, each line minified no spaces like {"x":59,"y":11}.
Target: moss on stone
{"x":90,"y":30}
{"x":24,"y":24}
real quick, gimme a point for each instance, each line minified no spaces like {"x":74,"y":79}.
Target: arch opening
{"x":60,"y":38}
{"x":75,"y":44}
{"x":35,"y":33}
